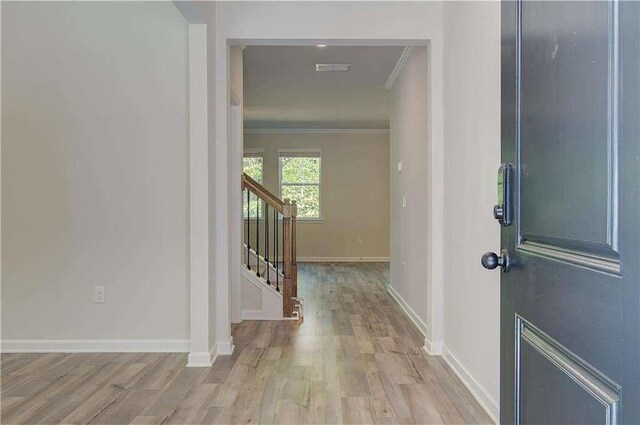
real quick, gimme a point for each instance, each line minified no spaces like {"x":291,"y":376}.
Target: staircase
{"x":269,"y":250}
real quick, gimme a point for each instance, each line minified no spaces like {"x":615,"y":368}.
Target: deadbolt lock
{"x":503,"y":211}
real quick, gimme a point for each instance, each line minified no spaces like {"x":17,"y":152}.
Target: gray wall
{"x":94,"y":170}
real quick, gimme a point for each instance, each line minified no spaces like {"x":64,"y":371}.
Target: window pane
{"x":253,"y":205}
{"x":307,"y":197}
{"x":253,"y":167}
{"x":300,"y":170}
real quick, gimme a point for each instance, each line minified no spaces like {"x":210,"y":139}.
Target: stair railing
{"x":275,"y":251}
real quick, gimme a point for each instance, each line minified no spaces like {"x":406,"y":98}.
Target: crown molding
{"x":396,"y":69}
{"x":316,"y":131}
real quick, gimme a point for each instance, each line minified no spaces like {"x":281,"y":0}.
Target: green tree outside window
{"x":300,"y":181}
{"x":253,"y":166}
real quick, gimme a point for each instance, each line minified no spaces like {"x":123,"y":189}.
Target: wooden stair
{"x":270,"y":226}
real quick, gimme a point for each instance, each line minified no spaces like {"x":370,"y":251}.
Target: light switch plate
{"x":399,"y":166}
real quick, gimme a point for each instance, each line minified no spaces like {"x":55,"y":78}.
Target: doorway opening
{"x":342,"y":130}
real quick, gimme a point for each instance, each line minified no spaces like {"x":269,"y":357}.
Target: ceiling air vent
{"x":321,"y":67}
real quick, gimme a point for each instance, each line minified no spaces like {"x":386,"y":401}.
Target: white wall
{"x":409,"y":140}
{"x":354,"y":191}
{"x":94,"y":171}
{"x":472,"y":157}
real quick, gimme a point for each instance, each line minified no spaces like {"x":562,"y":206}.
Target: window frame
{"x":299,"y":153}
{"x":252,"y":153}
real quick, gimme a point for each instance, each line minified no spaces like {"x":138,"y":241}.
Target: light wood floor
{"x":356,"y":359}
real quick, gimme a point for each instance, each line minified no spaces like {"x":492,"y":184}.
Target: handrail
{"x":263,"y":193}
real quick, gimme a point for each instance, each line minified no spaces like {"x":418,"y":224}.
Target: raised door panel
{"x":568,"y":158}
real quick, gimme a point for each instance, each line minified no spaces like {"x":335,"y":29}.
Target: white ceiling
{"x":283,"y":90}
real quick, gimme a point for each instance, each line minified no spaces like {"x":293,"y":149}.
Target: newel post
{"x":287,"y":290}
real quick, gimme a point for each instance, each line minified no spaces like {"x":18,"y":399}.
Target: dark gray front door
{"x":570,"y":317}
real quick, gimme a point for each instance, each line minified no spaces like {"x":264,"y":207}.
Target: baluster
{"x":275,"y":241}
{"x":287,"y":304}
{"x":266,"y":239}
{"x":257,"y":236}
{"x":248,"y":231}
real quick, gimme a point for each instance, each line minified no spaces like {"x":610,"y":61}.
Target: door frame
{"x":211,"y":294}
{"x":228,"y":198}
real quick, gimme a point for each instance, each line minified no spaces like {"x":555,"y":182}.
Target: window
{"x":300,"y":181}
{"x":253,"y":165}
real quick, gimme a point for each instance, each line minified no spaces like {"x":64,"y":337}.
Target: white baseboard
{"x":202,"y":359}
{"x":259,"y":315}
{"x":420,"y":324}
{"x":437,"y":348}
{"x":342,"y":259}
{"x":95,"y":346}
{"x":432,"y":348}
{"x":478,"y":391}
{"x":225,"y":348}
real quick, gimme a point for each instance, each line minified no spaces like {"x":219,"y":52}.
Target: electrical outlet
{"x":99,"y":295}
{"x":404,"y":267}
{"x":359,"y":240}
{"x":399,"y":166}
{"x":404,"y":202}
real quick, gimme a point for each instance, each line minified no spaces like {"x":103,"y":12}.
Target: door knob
{"x":491,"y":260}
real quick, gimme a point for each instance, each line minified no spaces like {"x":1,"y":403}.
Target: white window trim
{"x":251,"y":152}
{"x":318,"y":153}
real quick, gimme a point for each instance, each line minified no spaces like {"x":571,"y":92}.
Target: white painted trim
{"x":236,"y":217}
{"x":225,"y":348}
{"x":343,"y":259}
{"x":225,"y":192}
{"x":259,"y":282}
{"x":477,"y":390}
{"x":434,"y":117}
{"x":253,"y":151}
{"x":284,"y":151}
{"x":432,"y":348}
{"x":316,"y":130}
{"x":399,"y":65}
{"x":199,"y":232}
{"x":202,"y":359}
{"x":95,"y":345}
{"x":259,"y":315}
{"x":251,"y":314}
{"x":435,"y":348}
{"x":413,"y":316}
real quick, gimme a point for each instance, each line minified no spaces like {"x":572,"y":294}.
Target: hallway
{"x":356,"y":359}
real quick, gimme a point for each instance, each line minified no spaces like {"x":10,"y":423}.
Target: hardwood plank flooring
{"x":357,"y":359}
